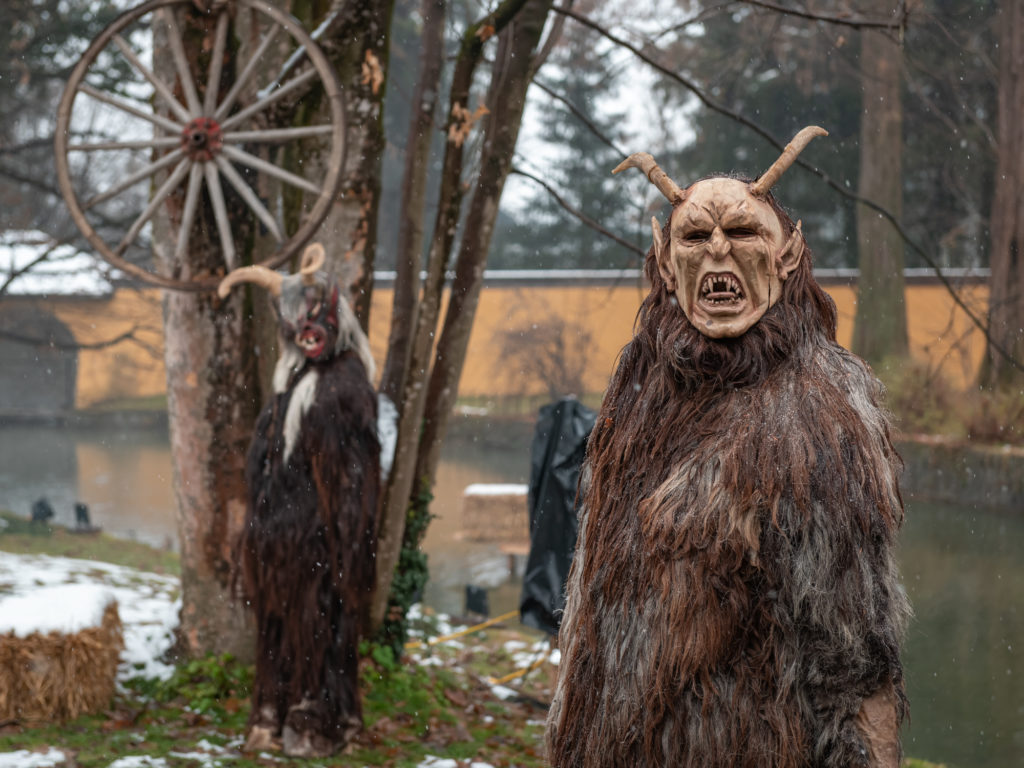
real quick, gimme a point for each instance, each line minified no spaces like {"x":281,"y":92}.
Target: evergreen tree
{"x":40,"y":40}
{"x":540,"y":232}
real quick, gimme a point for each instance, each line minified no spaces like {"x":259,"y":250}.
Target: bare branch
{"x":127,"y":336}
{"x":581,"y":117}
{"x":579,"y":214}
{"x":14,"y":274}
{"x":895,"y":25}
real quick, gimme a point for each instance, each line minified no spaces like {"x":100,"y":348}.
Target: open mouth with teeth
{"x":721,"y":290}
{"x":311,"y":340}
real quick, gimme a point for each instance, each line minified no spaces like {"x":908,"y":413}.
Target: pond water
{"x":963,"y":566}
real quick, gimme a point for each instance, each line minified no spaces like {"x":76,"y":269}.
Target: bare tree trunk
{"x":208,"y":366}
{"x":506,"y":98}
{"x":356,"y":39}
{"x":213,"y":395}
{"x":414,"y":183}
{"x":1006,"y":294}
{"x":880,"y":329}
{"x":403,"y":471}
{"x":213,"y":380}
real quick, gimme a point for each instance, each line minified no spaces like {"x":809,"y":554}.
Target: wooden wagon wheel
{"x":173,"y":141}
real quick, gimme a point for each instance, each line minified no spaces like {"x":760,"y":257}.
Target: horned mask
{"x":727,"y":254}
{"x":313,"y":317}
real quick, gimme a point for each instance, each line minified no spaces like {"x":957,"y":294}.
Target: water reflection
{"x":962,"y":567}
{"x":965,"y":575}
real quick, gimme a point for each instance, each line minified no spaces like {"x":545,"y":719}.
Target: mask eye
{"x":740,"y":233}
{"x":697,"y":236}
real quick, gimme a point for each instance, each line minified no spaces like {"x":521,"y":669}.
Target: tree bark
{"x":880,"y":328}
{"x":356,"y":39}
{"x":213,"y":380}
{"x":213,"y":396}
{"x":212,"y":401}
{"x":408,"y":256}
{"x":506,"y":98}
{"x":403,"y":471}
{"x":1006,"y":293}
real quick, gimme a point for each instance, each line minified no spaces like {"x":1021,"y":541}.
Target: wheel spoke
{"x":220,"y":214}
{"x":216,"y":64}
{"x":168,"y":152}
{"x":158,"y":120}
{"x":159,"y":85}
{"x":135,"y":178}
{"x":161,"y":194}
{"x":265,"y":101}
{"x":243,"y":189}
{"x":252,"y":161}
{"x":188,"y":85}
{"x":164,"y":142}
{"x":188,"y":215}
{"x":279,"y":134}
{"x":243,"y":77}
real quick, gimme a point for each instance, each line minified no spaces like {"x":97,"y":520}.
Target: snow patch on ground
{"x":444,"y":762}
{"x":139,"y":761}
{"x":148,"y":603}
{"x":496,"y":489}
{"x":25,"y":759}
{"x":66,"y":609}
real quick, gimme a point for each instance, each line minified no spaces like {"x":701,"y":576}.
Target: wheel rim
{"x":198,"y":142}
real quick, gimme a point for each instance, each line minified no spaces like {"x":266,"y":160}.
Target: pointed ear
{"x":791,"y":253}
{"x":661,"y":255}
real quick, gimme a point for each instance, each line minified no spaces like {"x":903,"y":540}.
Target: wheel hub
{"x":202,"y":139}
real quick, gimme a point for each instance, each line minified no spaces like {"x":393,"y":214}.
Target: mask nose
{"x":718,"y":245}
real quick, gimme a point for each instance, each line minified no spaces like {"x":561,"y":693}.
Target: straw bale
{"x":56,"y":676}
{"x":496,"y":517}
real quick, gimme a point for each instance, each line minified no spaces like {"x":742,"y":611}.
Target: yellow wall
{"x":939,"y":331}
{"x":130,"y":368}
{"x":516,"y":333}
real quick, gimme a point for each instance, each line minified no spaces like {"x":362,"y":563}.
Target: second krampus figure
{"x":734,"y":598}
{"x":308,"y":549}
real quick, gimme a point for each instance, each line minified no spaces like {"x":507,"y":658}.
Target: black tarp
{"x":559,"y":445}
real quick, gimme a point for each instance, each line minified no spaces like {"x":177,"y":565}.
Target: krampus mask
{"x":734,"y":599}
{"x":727,"y":255}
{"x":315,"y":323}
{"x":307,"y":552}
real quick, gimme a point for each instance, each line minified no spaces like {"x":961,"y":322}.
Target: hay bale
{"x":59,"y":651}
{"x":496,"y":513}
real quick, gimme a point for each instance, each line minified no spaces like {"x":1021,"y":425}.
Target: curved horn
{"x":267,"y":278}
{"x":313,"y":259}
{"x":658,"y":177}
{"x":760,"y":187}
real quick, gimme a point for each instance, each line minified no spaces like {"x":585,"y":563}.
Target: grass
{"x":428,"y":703}
{"x":21,"y":536}
{"x":435,"y":701}
{"x":410,"y":711}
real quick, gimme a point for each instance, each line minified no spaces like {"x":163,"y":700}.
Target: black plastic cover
{"x":556,"y":455}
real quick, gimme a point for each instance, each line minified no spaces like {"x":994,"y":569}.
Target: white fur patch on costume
{"x":300,"y":402}
{"x":351,"y":336}
{"x":290,"y":361}
{"x":387,"y":432}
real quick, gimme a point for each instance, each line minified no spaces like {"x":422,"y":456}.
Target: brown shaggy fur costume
{"x":734,"y":599}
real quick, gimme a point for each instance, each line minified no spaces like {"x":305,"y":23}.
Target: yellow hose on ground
{"x":518,"y":673}
{"x":461,"y":633}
